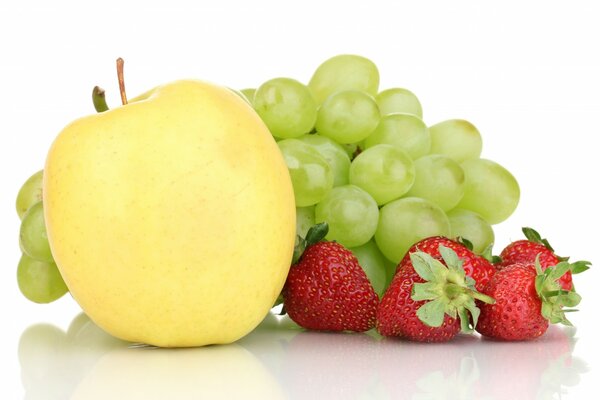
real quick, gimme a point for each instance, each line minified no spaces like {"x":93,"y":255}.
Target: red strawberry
{"x":475,"y":266}
{"x":526,"y":251}
{"x":426,"y":298}
{"x":328,"y":290}
{"x":527,"y":300}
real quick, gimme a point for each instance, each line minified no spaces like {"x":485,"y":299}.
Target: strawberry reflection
{"x":540,"y":369}
{"x":446,"y":370}
{"x":319,"y":365}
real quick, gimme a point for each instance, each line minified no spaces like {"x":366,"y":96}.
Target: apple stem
{"x":99,"y":99}
{"x":120,"y":63}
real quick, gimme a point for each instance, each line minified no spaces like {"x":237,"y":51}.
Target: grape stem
{"x":120,"y":64}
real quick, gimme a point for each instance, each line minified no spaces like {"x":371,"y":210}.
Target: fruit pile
{"x":365,"y":162}
{"x":440,"y":288}
{"x":393,"y":217}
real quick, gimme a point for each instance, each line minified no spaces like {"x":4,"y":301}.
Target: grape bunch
{"x":361,"y":159}
{"x":37,"y":275}
{"x":365,"y":162}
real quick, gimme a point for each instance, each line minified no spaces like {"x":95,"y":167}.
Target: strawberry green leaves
{"x":533,"y":236}
{"x":580,"y":266}
{"x":314,"y":235}
{"x":447,"y":290}
{"x":555,"y":300}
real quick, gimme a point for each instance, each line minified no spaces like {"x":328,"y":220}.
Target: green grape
{"x":311,"y":174}
{"x":239,"y":93}
{"x":33,"y":237}
{"x":457,"y":139}
{"x":386,"y":172}
{"x":30,"y":193}
{"x":351,"y":214}
{"x":348,"y":116}
{"x":286,"y":106}
{"x":470,"y":226}
{"x":374,"y":264}
{"x":344,"y":72}
{"x":335,"y":155}
{"x":390,"y":269}
{"x":398,"y":100}
{"x":490,"y":190}
{"x":305,"y":219}
{"x":249,"y":94}
{"x":438,"y":179}
{"x":404,"y":222}
{"x":40,"y":281}
{"x":402,"y":130}
{"x":351,"y":149}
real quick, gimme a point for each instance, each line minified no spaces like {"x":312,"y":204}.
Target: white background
{"x":526,"y":74}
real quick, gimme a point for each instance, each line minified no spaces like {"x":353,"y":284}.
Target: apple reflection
{"x":86,"y":363}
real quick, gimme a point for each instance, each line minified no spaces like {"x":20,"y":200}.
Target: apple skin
{"x":172,"y":218}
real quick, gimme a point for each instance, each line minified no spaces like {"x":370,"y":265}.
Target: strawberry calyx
{"x":556,"y":301}
{"x":465,"y":242}
{"x":533,"y":236}
{"x":447,"y":290}
{"x":314,"y":235}
{"x":576,"y":267}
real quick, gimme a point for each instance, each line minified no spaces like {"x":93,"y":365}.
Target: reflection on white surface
{"x":86,"y":363}
{"x":279,"y":361}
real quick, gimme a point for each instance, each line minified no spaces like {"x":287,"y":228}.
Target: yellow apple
{"x":172,"y":218}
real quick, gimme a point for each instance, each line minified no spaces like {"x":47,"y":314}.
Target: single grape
{"x":471,"y":226}
{"x":351,"y":214}
{"x":335,"y":154}
{"x":33,"y":237}
{"x":344,"y":72}
{"x":311,"y":174}
{"x":386,"y":172}
{"x":406,"y":131}
{"x":286,"y":106}
{"x":390,"y":269}
{"x":249,"y":94}
{"x":305,"y":219}
{"x":457,"y":139}
{"x":351,"y":149}
{"x":30,"y":193}
{"x":490,"y":190}
{"x":374,"y":264}
{"x":404,"y":222}
{"x":40,"y":281}
{"x":398,"y":100}
{"x":438,"y":179}
{"x":348,"y":116}
{"x":239,"y":93}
